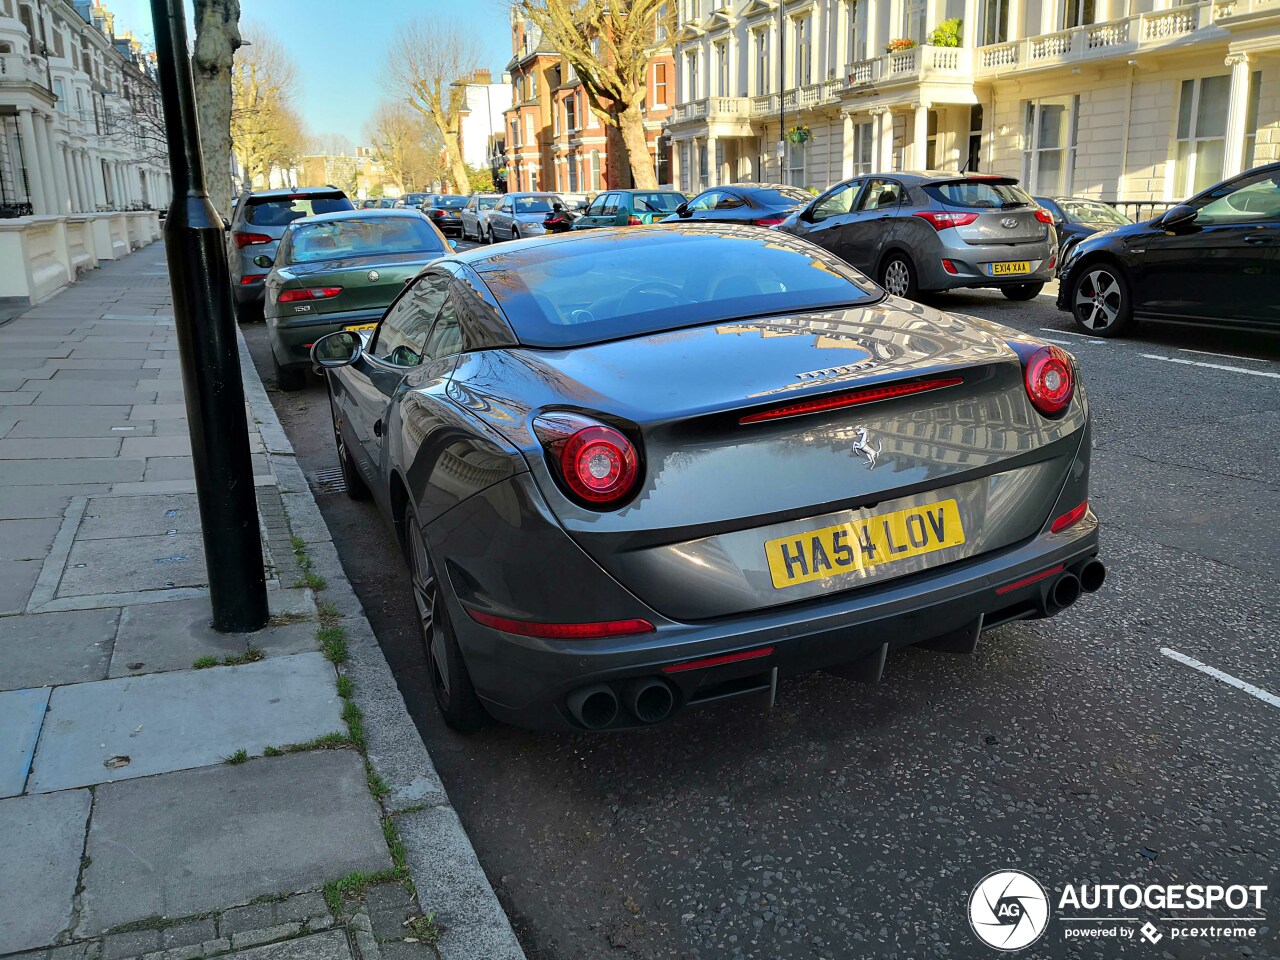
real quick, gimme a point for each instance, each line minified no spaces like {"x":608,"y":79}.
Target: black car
{"x":764,"y":204}
{"x":445,"y":211}
{"x":1212,"y":261}
{"x":1075,"y":218}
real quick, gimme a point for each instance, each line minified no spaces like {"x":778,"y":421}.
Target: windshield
{"x":451,"y":203}
{"x":360,"y":237}
{"x":487,"y":203}
{"x":284,"y":210}
{"x":984,"y":194}
{"x":1092,"y":211}
{"x":534,"y":204}
{"x":414,"y":199}
{"x":657,"y":202}
{"x":592,"y":289}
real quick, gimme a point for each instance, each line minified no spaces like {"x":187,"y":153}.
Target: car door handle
{"x":377,"y":428}
{"x":1259,"y":238}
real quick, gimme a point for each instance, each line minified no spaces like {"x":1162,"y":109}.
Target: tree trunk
{"x":217,"y":39}
{"x":631,"y":123}
{"x":457,"y":166}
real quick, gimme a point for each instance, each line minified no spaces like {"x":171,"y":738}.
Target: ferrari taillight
{"x":1050,"y":379}
{"x":308,"y":293}
{"x":597,"y":464}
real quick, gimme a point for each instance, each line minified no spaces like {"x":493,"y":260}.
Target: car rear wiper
{"x":1010,"y":204}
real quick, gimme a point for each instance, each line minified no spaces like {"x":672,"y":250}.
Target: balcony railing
{"x":1108,"y":39}
{"x":905,"y":66}
{"x":713,"y":108}
{"x":21,"y":68}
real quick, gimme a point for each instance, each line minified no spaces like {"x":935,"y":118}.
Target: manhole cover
{"x":328,"y":481}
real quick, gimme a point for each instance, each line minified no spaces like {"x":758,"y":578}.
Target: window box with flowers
{"x":800,"y":134}
{"x":897,"y":46}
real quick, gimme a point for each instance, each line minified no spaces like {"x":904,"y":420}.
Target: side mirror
{"x":453,"y":244}
{"x":338,"y":349}
{"x":683,"y":209}
{"x":262,"y":260}
{"x":557,"y":207}
{"x":1183,"y":215}
{"x":226,"y":224}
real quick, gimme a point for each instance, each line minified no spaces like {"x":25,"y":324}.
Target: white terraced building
{"x":1138,"y":101}
{"x":83,"y":164}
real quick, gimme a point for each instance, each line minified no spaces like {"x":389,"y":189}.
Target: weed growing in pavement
{"x":250,"y":655}
{"x":424,"y":929}
{"x":285,"y":619}
{"x":355,"y":723}
{"x":346,"y":686}
{"x":355,"y":884}
{"x":328,"y":741}
{"x":240,"y":756}
{"x":204,"y":663}
{"x":333,"y":641}
{"x":328,"y":613}
{"x":309,"y":577}
{"x":377,"y":786}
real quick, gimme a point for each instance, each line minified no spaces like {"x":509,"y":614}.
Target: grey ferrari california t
{"x":637,"y":470}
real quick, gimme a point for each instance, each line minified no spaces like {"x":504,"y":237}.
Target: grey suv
{"x":256,"y":228}
{"x":934,"y":231}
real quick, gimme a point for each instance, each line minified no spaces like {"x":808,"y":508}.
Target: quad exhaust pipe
{"x":649,"y":699}
{"x":1064,"y":592}
{"x":1092,"y":575}
{"x":595,"y":707}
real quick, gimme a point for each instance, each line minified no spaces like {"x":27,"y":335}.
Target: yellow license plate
{"x":357,"y":327}
{"x":860,"y":544}
{"x":1010,"y":268}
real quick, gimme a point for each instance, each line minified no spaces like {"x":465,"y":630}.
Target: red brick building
{"x":554,"y":141}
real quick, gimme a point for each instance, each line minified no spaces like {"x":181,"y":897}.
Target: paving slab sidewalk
{"x":165,"y":790}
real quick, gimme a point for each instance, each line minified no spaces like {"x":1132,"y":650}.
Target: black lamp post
{"x":195,"y":246}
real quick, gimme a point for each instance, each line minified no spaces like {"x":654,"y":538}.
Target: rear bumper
{"x":972,"y":266}
{"x":251,"y":292}
{"x":528,"y":682}
{"x":291,"y":339}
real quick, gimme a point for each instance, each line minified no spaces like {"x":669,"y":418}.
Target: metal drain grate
{"x":328,"y":481}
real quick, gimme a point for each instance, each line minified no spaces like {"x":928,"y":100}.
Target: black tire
{"x":357,"y":489}
{"x":248,"y":312}
{"x":450,"y":681}
{"x":1022,"y":291}
{"x":898,"y":276}
{"x":515,"y":233}
{"x":289,"y":379}
{"x":1101,"y":304}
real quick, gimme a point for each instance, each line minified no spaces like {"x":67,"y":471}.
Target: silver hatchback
{"x":520,"y":215}
{"x":916,"y":232}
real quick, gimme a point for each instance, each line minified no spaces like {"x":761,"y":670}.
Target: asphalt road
{"x":853,"y":821}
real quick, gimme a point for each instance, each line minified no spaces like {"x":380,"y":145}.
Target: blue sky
{"x":339,"y":46}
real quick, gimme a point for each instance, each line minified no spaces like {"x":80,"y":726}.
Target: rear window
{"x":451,"y":203}
{"x":360,"y":237}
{"x":982,"y":194}
{"x":656,"y":202}
{"x":414,"y":199}
{"x":281,"y":211}
{"x":533,"y":204}
{"x":781,"y":196}
{"x":1091,"y":211}
{"x":591,"y":289}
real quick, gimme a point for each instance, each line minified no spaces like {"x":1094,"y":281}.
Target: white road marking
{"x":1071,"y":333}
{"x":1229,"y":356}
{"x":1213,"y":366}
{"x":1065,"y":343}
{"x":1249,"y":688}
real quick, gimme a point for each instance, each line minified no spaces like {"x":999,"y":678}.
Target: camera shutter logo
{"x":1009,"y":910}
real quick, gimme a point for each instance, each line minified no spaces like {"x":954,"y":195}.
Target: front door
{"x":1225,"y":263}
{"x":864,"y":232}
{"x":824,"y":222}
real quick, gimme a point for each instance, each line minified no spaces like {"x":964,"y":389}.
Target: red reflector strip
{"x":865,"y":395}
{"x":950,"y":267}
{"x":244,"y":281}
{"x":1070,"y":517}
{"x":561,"y":631}
{"x":718,"y":661}
{"x":1034,"y":578}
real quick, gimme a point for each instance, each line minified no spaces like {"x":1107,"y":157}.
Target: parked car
{"x":621,"y":208}
{"x":475,"y":213}
{"x":445,"y":211}
{"x":369,"y":203}
{"x":258,"y":223}
{"x":914,"y":232}
{"x":412,"y":200}
{"x":1213,"y":261}
{"x":337,"y":271}
{"x":575,"y":202}
{"x":1075,"y":218}
{"x":721,"y":520}
{"x":764,"y":204}
{"x":520,"y":215}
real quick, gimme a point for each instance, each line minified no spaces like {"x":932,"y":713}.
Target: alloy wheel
{"x":1099,"y":299}
{"x":897,"y":278}
{"x":425,"y":597}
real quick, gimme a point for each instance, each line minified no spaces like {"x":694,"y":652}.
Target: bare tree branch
{"x":406,"y":144}
{"x":266,"y":131}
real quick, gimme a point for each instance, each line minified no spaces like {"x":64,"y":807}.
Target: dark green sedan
{"x":336,"y":271}
{"x":623,"y":208}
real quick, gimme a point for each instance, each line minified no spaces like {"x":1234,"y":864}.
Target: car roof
{"x":295,"y":192}
{"x":643,"y":190}
{"x":387,"y":212}
{"x":534,"y":193}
